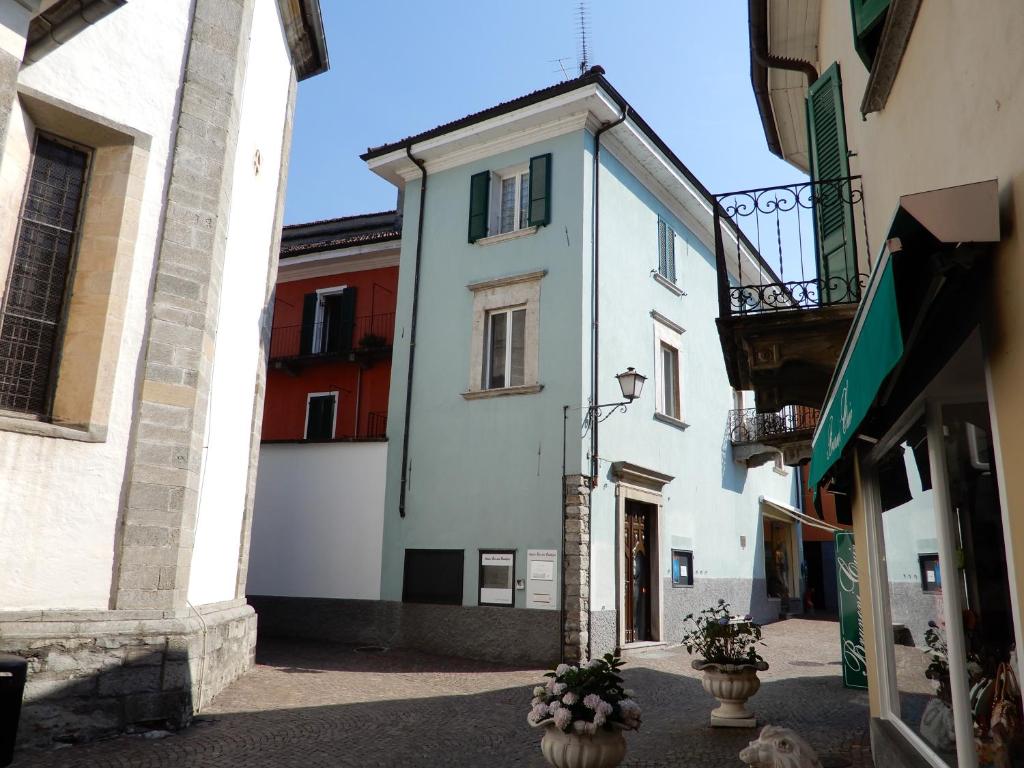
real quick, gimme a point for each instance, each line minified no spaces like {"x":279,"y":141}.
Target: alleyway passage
{"x":308,"y":705}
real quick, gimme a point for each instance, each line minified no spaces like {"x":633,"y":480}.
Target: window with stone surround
{"x":505,"y":339}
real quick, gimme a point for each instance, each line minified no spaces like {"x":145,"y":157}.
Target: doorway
{"x":637,"y":569}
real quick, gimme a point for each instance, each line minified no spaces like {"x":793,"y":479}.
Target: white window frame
{"x":670,"y":334}
{"x":514,"y":292}
{"x":497,"y":179}
{"x":318,"y":317}
{"x":334,"y":412}
{"x":485,"y":382}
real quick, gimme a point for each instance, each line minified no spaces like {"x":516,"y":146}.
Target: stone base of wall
{"x":602,"y":633}
{"x":97,"y":673}
{"x":505,"y":635}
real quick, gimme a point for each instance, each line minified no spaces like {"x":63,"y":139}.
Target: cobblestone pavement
{"x":314,"y":704}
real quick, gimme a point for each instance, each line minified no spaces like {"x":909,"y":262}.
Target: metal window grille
{"x":33,"y":306}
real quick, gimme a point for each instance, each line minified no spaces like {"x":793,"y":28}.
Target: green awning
{"x":941,"y":218}
{"x":874,"y":348}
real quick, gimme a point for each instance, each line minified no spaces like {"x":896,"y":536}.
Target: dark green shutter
{"x":867,"y":15}
{"x":826,"y":128}
{"x":670,"y":253}
{"x":540,"y":190}
{"x":306,"y":334}
{"x":479,"y":193}
{"x":347,"y":322}
{"x":662,"y":247}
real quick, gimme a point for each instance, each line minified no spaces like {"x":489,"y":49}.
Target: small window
{"x":433,"y":576}
{"x":931,"y":573}
{"x":666,"y":251}
{"x":514,"y":192}
{"x":682,"y":568}
{"x":321,"y":415}
{"x":868,"y":18}
{"x":670,"y":381}
{"x":505,"y":348}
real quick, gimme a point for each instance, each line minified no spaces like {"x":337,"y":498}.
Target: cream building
{"x":921,"y":425}
{"x":142,"y":176}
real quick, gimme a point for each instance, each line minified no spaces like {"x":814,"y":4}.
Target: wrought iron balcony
{"x":376,"y":424}
{"x":792,"y":266}
{"x":815,"y":232}
{"x":758,"y":437}
{"x":363,"y":335}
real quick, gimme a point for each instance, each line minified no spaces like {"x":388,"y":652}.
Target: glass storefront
{"x":949,"y":646}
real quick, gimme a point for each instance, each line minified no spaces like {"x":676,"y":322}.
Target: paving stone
{"x":318,"y":704}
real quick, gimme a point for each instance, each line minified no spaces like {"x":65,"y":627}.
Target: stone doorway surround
{"x":637,"y":483}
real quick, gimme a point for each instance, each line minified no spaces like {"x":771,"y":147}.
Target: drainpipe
{"x":595,"y":301}
{"x":412,"y":329}
{"x":594,"y":352}
{"x":762,"y":60}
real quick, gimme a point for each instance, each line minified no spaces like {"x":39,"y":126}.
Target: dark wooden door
{"x":636,"y":568}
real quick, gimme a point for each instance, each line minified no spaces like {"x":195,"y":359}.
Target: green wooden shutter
{"x":867,"y":15}
{"x":306,"y":334}
{"x":826,"y":127}
{"x":347,"y":324}
{"x":479,"y":193}
{"x":540,"y":190}
{"x":662,"y":247}
{"x":670,"y":253}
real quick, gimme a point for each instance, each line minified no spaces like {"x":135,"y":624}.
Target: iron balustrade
{"x":364,"y":334}
{"x":376,"y":424}
{"x":747,"y":425}
{"x":815,"y":233}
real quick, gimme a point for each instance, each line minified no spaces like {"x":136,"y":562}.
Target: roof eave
{"x":304,"y":29}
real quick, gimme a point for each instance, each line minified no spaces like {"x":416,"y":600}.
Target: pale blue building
{"x":522,"y":274}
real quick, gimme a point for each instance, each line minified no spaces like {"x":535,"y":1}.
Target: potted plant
{"x":727,"y":649}
{"x":372,"y":341}
{"x":584,"y":709}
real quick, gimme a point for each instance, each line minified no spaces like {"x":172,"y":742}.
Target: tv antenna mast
{"x":583,"y":26}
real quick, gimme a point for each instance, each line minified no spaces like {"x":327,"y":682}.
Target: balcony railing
{"x":362,"y":335}
{"x":749,"y":426}
{"x":376,"y":424}
{"x":791,"y":247}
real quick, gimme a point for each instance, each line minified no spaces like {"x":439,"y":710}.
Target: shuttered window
{"x":37,"y":285}
{"x":328,"y":322}
{"x":829,"y":162}
{"x":868,"y":19}
{"x":666,"y":251}
{"x":510,"y":199}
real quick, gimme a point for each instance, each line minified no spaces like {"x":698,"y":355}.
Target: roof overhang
{"x":929,"y":231}
{"x":339,"y":261}
{"x":304,"y":29}
{"x":783,"y":55}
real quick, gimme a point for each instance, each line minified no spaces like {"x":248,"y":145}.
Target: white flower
{"x":561,"y":669}
{"x":604,"y":708}
{"x":562,"y":718}
{"x":591,"y":701}
{"x":570,"y":698}
{"x":536,"y":700}
{"x":554,"y":706}
{"x":540,"y":690}
{"x":599,"y":719}
{"x":629,"y":692}
{"x":559,"y":688}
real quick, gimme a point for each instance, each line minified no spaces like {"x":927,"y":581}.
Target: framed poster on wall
{"x":497,"y":577}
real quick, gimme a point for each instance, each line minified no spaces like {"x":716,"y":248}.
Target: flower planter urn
{"x":732,"y":685}
{"x":602,"y":749}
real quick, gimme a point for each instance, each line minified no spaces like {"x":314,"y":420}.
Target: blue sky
{"x":399,"y":67}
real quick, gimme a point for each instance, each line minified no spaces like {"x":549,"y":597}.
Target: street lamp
{"x":631,"y":383}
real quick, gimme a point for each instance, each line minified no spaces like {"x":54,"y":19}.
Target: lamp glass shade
{"x":631,"y":383}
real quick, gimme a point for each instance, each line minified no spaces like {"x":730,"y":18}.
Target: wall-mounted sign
{"x":851,"y":621}
{"x":497,"y":577}
{"x":542,"y":578}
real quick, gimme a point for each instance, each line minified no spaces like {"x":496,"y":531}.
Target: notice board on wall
{"x":851,"y":620}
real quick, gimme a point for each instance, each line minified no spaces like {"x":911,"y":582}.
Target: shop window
{"x":682,"y":568}
{"x":433,"y":576}
{"x":931,"y":574}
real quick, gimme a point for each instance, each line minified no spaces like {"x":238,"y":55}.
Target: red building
{"x":334,"y":319}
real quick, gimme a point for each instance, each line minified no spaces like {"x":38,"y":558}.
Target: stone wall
{"x":518,"y":636}
{"x":576,"y":568}
{"x":96,"y":673}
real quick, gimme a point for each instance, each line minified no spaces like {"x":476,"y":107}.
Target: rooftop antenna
{"x":561,"y":66}
{"x":583,"y":23}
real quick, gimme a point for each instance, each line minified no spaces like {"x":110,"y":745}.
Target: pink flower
{"x":561,"y":669}
{"x":570,"y":698}
{"x":592,"y":701}
{"x":538,"y":713}
{"x":599,"y":719}
{"x":558,"y":688}
{"x":562,"y":718}
{"x":604,"y":708}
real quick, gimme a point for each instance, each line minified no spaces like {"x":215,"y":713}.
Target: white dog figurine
{"x":779,"y":748}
